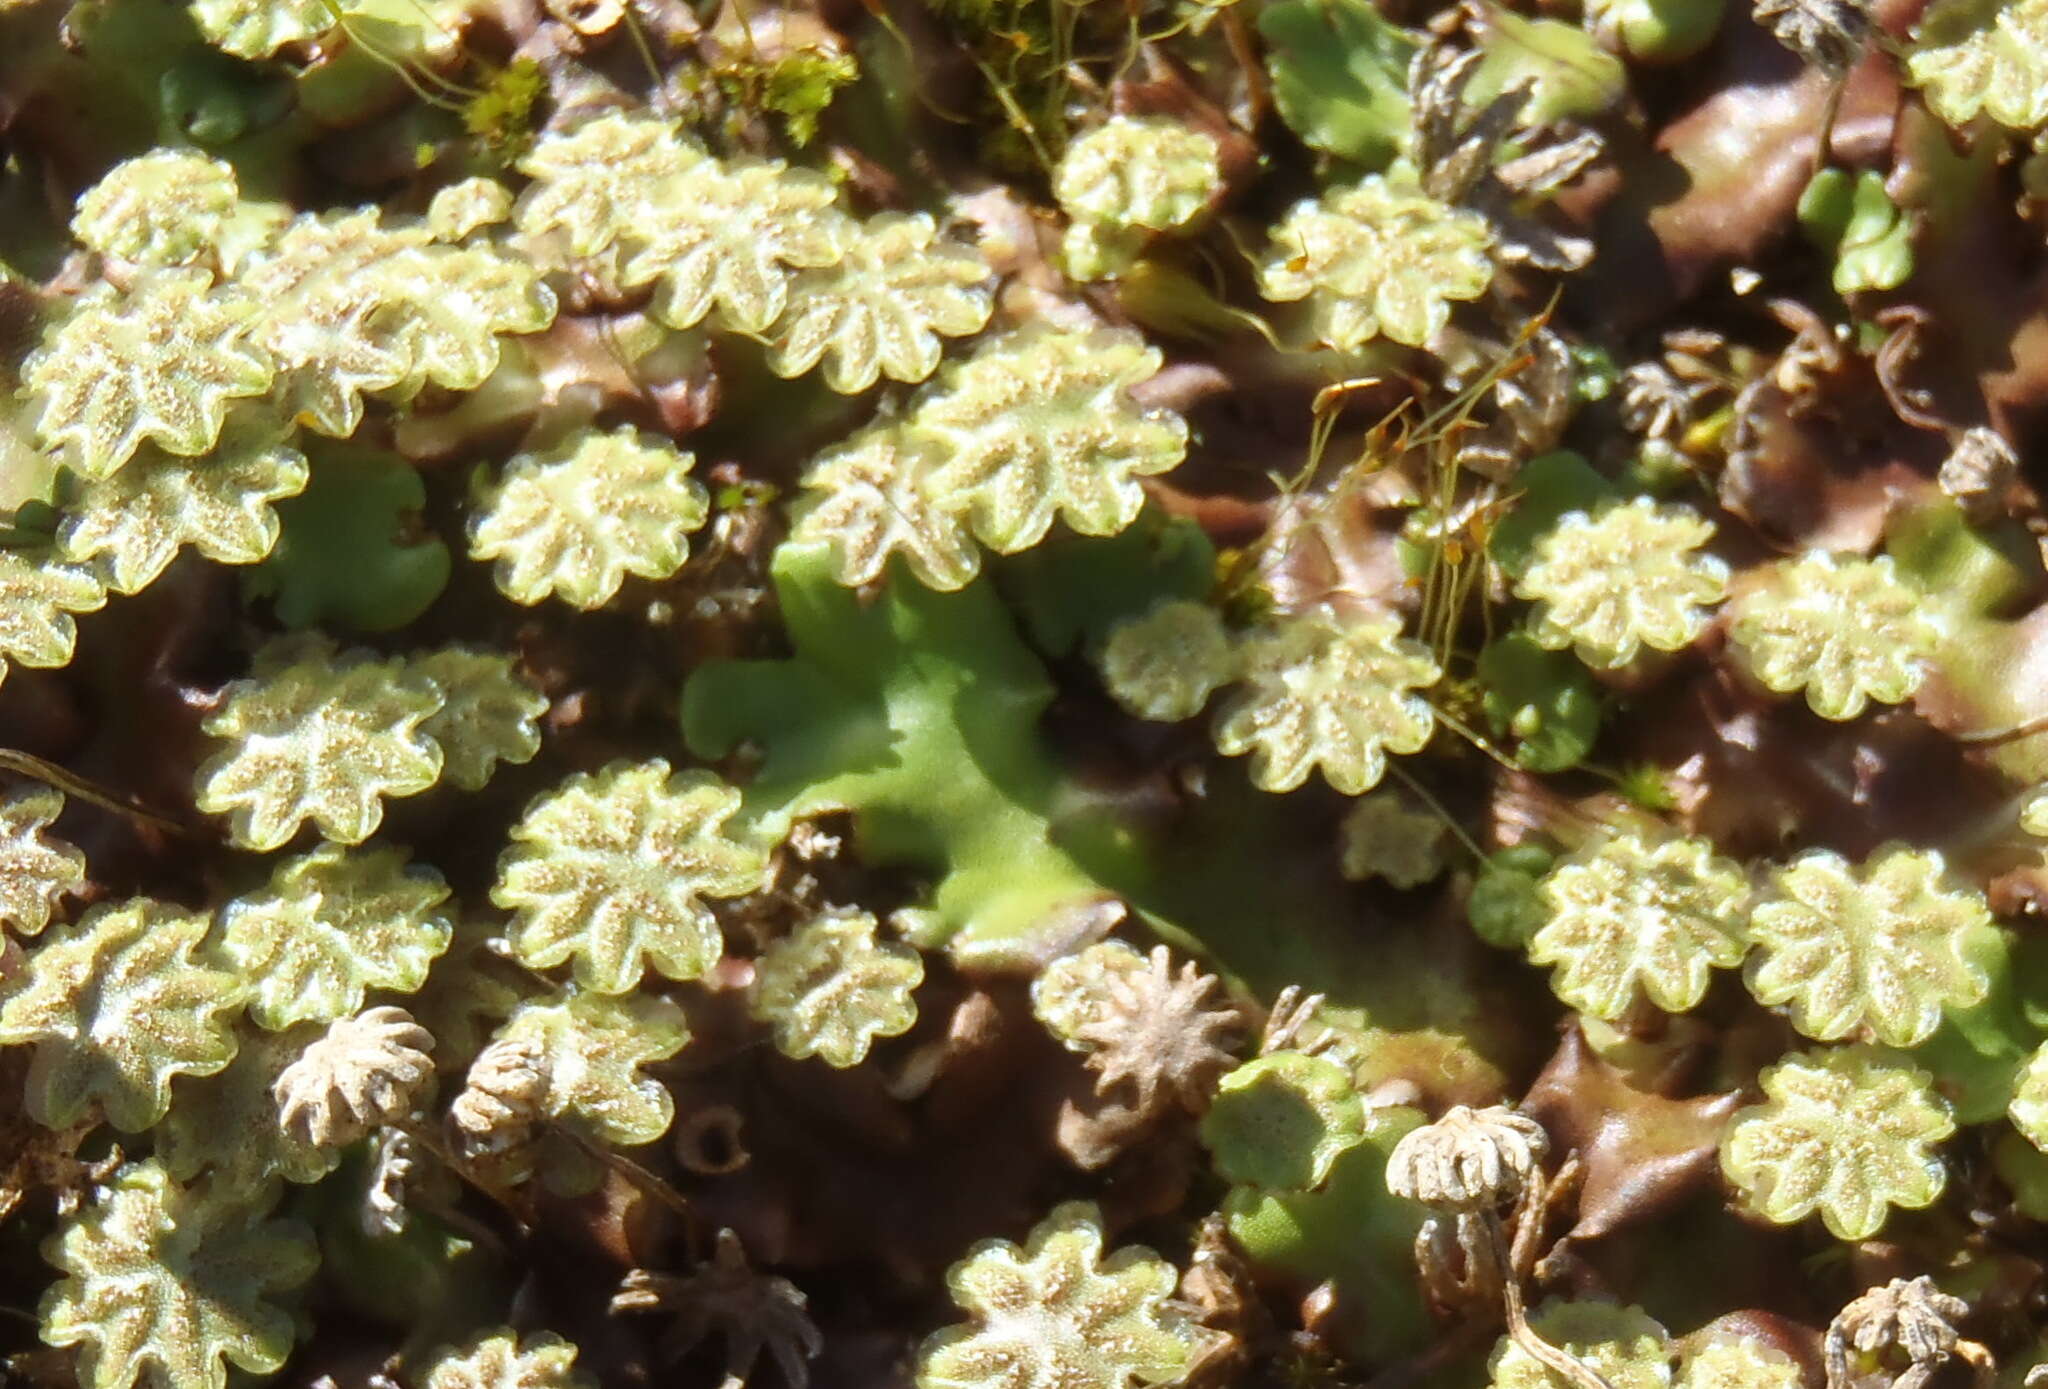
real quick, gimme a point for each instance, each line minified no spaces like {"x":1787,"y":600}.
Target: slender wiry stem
{"x":1828,"y":112}
{"x":2026,"y":728}
{"x":1464,"y":731}
{"x":1436,"y":808}
{"x":632,"y":1171}
{"x":1553,"y":1358}
{"x":409,"y":75}
{"x":638,"y":33}
{"x":424,"y":1135}
{"x":72,"y":784}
